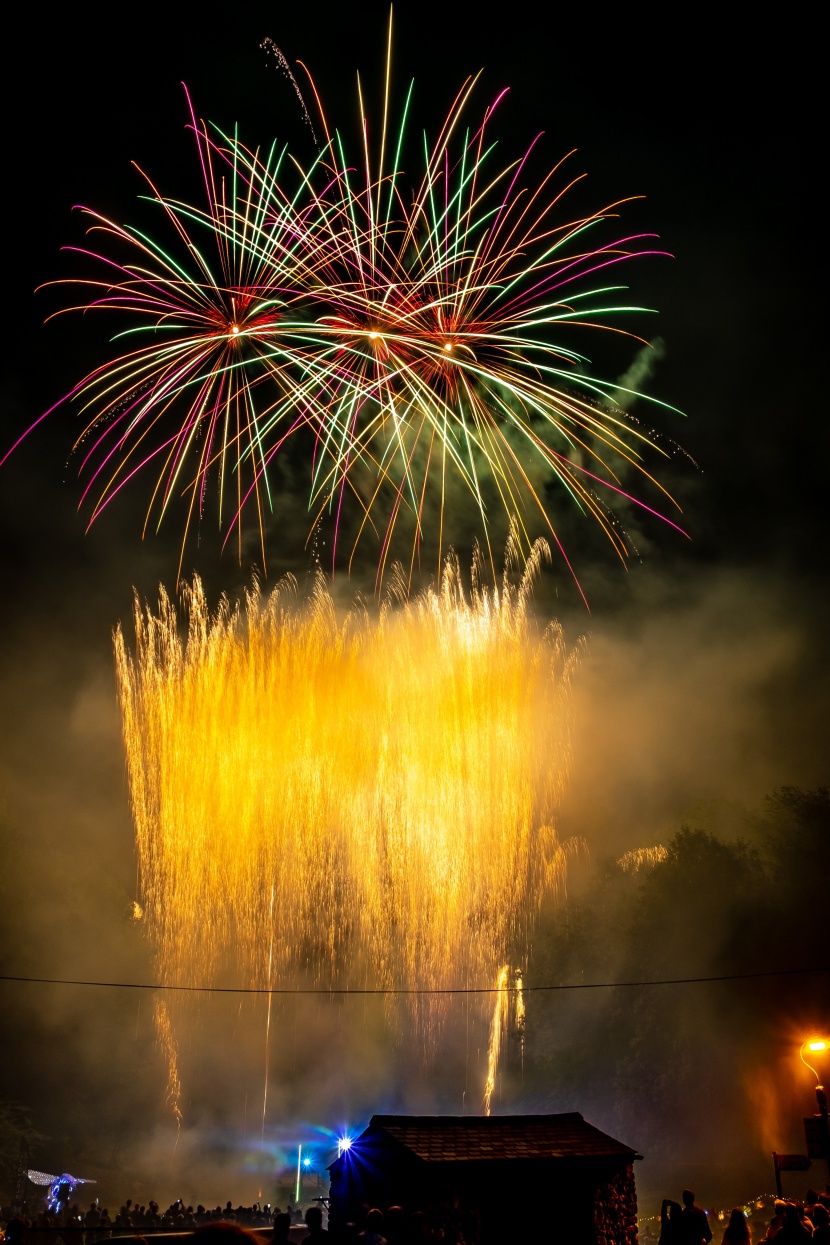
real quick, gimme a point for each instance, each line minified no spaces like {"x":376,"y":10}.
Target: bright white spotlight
{"x":343,"y":1144}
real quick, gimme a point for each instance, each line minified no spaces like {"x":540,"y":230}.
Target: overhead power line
{"x":387,"y":990}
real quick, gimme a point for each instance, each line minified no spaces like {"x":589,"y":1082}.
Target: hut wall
{"x":615,"y":1209}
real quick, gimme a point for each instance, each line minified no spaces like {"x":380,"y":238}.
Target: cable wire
{"x":387,"y":990}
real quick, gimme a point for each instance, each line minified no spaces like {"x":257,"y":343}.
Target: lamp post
{"x":816,"y":1128}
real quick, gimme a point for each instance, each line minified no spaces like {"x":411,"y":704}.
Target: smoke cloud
{"x":693,"y":700}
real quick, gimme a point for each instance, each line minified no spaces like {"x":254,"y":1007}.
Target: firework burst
{"x":422,"y":328}
{"x":453,"y":298}
{"x":214,"y":304}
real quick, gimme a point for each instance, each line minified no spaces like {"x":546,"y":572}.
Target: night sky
{"x":707,"y":674}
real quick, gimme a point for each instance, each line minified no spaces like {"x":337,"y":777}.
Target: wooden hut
{"x":492,"y":1179}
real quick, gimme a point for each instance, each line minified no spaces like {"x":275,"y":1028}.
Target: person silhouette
{"x":670,"y":1213}
{"x":821,"y":1224}
{"x":737,"y":1230}
{"x":224,"y":1232}
{"x":317,"y":1234}
{"x":792,"y":1230}
{"x":694,"y":1226}
{"x":373,"y":1234}
{"x":282,"y":1222}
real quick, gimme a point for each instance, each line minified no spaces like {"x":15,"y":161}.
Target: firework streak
{"x":412,"y":310}
{"x":497,"y":1028}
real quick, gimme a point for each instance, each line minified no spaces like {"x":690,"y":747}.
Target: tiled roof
{"x":452,"y":1138}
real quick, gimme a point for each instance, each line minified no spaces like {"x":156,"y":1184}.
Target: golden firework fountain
{"x":413,"y":760}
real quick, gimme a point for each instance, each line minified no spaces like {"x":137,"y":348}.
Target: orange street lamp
{"x":814,"y":1047}
{"x":816,"y":1126}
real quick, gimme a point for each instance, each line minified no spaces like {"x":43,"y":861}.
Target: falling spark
{"x":520,"y":1003}
{"x":167,"y":1042}
{"x":268,"y":45}
{"x":521,"y":1018}
{"x":268,"y":1014}
{"x":497,"y":1027}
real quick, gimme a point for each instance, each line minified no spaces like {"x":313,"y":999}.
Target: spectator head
{"x":224,"y":1233}
{"x":314,"y":1218}
{"x":418,"y":1224}
{"x":282,"y":1222}
{"x":688,"y":1197}
{"x":395,"y":1223}
{"x":374,"y":1220}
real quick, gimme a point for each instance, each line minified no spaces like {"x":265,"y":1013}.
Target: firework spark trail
{"x":521,"y":1016}
{"x":268,"y":1016}
{"x":497,"y":1028}
{"x":268,"y":45}
{"x":167,"y":1041}
{"x":413,"y":761}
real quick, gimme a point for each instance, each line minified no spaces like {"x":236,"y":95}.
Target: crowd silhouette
{"x":688,"y":1224}
{"x":241,"y":1225}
